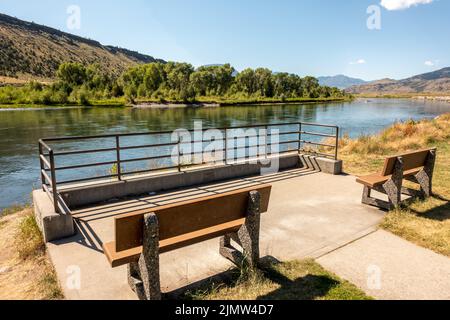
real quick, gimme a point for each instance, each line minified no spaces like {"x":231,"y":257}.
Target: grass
{"x":29,"y":273}
{"x":13,"y":209}
{"x":294,"y":280}
{"x":424,"y":222}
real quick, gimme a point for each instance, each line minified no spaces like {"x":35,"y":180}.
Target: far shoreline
{"x":171,"y":104}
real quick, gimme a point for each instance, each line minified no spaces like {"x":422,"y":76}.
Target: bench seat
{"x":117,"y":259}
{"x":376,"y":179}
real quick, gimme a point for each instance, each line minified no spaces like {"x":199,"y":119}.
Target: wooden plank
{"x":411,"y":160}
{"x":376,"y":179}
{"x":117,"y":259}
{"x":189,"y":216}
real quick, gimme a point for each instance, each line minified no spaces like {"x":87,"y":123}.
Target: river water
{"x":21,"y":129}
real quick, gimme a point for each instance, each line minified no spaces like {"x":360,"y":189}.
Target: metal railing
{"x":304,"y":134}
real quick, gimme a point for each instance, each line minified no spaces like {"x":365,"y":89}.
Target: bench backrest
{"x":187,"y":217}
{"x":411,"y":160}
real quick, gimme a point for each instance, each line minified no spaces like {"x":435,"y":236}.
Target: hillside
{"x":340,"y":81}
{"x":29,"y":50}
{"x":431,"y":82}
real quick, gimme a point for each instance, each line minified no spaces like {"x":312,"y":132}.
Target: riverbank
{"x":439,"y":96}
{"x":424,"y":222}
{"x":200,"y":103}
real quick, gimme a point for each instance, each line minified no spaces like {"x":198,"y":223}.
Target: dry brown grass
{"x":426,"y":223}
{"x":25,"y":270}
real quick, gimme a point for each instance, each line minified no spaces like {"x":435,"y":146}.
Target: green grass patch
{"x":294,"y":280}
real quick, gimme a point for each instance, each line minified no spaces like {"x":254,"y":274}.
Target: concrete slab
{"x":310,"y":213}
{"x":388,"y":267}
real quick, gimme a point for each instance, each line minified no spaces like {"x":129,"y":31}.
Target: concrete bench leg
{"x":392,"y":188}
{"x":367,"y":199}
{"x":425,"y":177}
{"x":143,"y":276}
{"x":247,"y":236}
{"x":134,"y":280}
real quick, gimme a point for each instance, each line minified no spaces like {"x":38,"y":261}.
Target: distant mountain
{"x":340,"y":81}
{"x":32,"y":50}
{"x":431,"y":82}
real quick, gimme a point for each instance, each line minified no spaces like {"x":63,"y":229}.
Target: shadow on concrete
{"x":84,"y":236}
{"x":309,"y":287}
{"x":124,"y":206}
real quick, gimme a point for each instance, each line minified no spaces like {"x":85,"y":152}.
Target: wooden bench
{"x":416,"y":166}
{"x":141,"y":236}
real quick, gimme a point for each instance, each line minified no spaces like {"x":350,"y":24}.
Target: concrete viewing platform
{"x":310,"y":214}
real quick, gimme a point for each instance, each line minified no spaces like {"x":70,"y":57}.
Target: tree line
{"x":172,"y":81}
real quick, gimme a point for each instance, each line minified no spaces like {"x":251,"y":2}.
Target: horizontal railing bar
{"x":318,"y":144}
{"x":145,"y":159}
{"x":79,"y":166}
{"x":149,"y":146}
{"x":88,"y":179}
{"x":285,"y":142}
{"x":233,"y":137}
{"x":319,"y":134}
{"x":66,"y":153}
{"x":281,"y":152}
{"x":312,"y":124}
{"x":318,"y":153}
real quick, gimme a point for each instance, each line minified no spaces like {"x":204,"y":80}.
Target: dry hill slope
{"x":29,"y":50}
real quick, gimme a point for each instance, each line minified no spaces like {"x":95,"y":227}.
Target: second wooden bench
{"x":415,"y":166}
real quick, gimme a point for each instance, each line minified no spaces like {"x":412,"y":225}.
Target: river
{"x":21,"y":129}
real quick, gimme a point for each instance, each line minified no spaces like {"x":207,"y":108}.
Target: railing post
{"x":267,"y":144}
{"x":179,"y":153}
{"x":54,"y":187}
{"x":337,"y":144}
{"x":300,"y":127}
{"x":41,"y":154}
{"x":119,"y":169}
{"x":226,"y":147}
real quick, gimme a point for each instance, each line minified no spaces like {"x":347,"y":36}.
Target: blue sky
{"x":307,"y":37}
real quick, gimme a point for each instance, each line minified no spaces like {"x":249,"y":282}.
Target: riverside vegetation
{"x":77,"y":84}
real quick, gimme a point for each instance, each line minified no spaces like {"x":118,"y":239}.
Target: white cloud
{"x":402,"y":4}
{"x":360,"y":61}
{"x":431,"y":63}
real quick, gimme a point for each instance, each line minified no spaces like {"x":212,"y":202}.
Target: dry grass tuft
{"x":27,"y":273}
